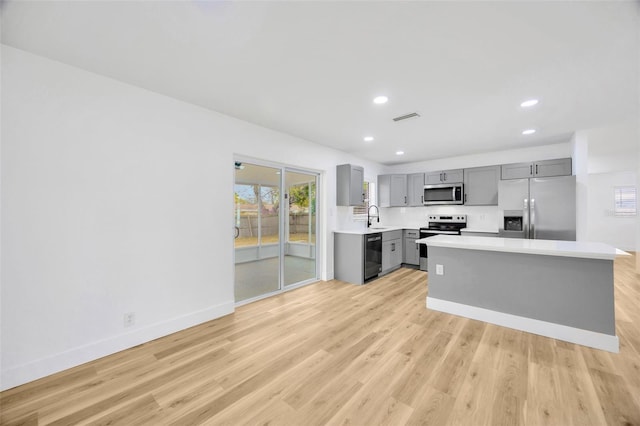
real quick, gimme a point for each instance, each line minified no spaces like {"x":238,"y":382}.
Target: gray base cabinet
{"x":411,"y":252}
{"x":391,"y":250}
{"x":349,"y":185}
{"x":481,"y":186}
{"x":348,"y":257}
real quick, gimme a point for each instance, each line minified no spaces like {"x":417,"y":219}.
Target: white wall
{"x":115,"y":200}
{"x":612,"y":154}
{"x":611,"y":148}
{"x":580,"y":148}
{"x":604,"y":226}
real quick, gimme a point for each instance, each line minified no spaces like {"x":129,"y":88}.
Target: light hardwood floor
{"x":335,"y":353}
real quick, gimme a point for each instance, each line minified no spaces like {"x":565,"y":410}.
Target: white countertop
{"x":372,"y":230}
{"x":581,"y":249}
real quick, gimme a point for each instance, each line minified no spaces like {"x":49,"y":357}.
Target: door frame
{"x":284,"y":168}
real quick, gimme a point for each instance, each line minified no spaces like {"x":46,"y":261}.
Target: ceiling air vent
{"x":404,"y":117}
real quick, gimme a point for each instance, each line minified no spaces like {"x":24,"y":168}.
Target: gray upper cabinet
{"x":415,"y":189}
{"x":392,"y":190}
{"x":481,"y":186}
{"x":516,"y":171}
{"x":545,"y":168}
{"x":444,"y":176}
{"x":349,"y":185}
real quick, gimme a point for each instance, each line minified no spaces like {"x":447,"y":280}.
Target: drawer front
{"x":412,"y":233}
{"x":391,"y":235}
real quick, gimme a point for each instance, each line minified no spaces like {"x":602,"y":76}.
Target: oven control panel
{"x":459,"y":218}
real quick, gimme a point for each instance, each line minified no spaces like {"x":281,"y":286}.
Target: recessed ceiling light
{"x":399,"y":152}
{"x":380,"y":100}
{"x":528,"y":131}
{"x":529,"y":103}
{"x":368,"y":138}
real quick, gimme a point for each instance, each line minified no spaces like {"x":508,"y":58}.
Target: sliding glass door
{"x":257,"y":242}
{"x":300,"y":227}
{"x":275,"y":227}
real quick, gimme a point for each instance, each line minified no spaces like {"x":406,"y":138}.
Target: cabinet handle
{"x":393,"y":246}
{"x":531,"y":169}
{"x":536,"y":169}
{"x":465,"y":197}
{"x":445,"y":176}
{"x":405,"y":199}
{"x":422,"y":199}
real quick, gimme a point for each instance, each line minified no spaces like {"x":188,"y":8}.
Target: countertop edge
{"x":466,"y":245}
{"x":372,"y":230}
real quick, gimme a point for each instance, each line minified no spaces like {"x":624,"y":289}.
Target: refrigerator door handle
{"x":533,"y":218}
{"x":525,"y":218}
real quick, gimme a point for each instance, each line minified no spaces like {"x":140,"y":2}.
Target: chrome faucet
{"x":369,"y":216}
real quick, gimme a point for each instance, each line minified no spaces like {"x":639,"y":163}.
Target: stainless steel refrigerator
{"x":538,"y":208}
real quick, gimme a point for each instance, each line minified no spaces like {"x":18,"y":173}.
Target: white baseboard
{"x":588,"y":338}
{"x":43,"y":367}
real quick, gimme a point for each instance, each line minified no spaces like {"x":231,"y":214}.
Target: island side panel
{"x":348,"y":257}
{"x":575,"y":292}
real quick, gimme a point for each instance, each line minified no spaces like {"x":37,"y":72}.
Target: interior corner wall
{"x":118,"y":200}
{"x":637,"y":140}
{"x":637,"y":192}
{"x":638,"y":215}
{"x":580,"y":146}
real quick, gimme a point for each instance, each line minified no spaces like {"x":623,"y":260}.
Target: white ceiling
{"x":311,"y":69}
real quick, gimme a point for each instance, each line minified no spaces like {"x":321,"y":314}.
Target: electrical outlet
{"x":439,"y":269}
{"x":129,"y":319}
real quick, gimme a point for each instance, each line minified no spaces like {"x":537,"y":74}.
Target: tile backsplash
{"x":478,"y":217}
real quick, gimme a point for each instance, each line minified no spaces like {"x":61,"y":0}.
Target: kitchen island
{"x":558,"y":289}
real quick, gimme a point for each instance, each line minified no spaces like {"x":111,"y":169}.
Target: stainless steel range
{"x":439,"y":225}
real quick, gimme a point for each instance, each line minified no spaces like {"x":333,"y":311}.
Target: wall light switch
{"x":439,"y":269}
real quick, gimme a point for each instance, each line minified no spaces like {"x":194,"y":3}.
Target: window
{"x":625,"y":201}
{"x":368,"y":188}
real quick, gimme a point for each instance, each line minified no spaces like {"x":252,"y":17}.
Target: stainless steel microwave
{"x":443,"y":193}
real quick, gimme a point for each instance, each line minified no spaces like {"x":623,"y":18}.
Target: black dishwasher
{"x":372,"y":255}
